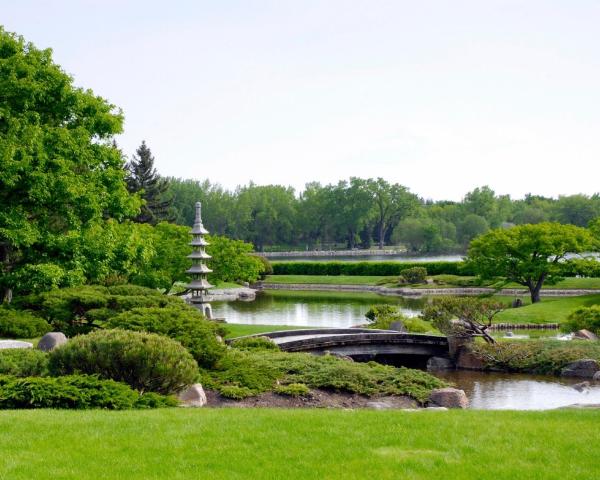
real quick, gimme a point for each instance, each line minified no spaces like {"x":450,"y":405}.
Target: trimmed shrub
{"x":75,"y":391}
{"x":19,"y":324}
{"x":367,"y":268}
{"x":184,"y":324}
{"x":587,"y":318}
{"x":255,"y":343}
{"x":417,"y":325}
{"x":145,"y":361}
{"x":293,"y":390}
{"x":133,"y":290}
{"x":414,"y":275}
{"x":23,"y":362}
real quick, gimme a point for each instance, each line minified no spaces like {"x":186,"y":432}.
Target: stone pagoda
{"x":199,"y":285}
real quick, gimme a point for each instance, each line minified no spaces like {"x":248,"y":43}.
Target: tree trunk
{"x":6,"y":295}
{"x":381,"y":235}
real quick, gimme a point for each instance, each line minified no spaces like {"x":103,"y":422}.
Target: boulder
{"x":51,"y":340}
{"x":398,"y":326}
{"x":439,"y":363}
{"x":585,"y":335}
{"x":449,"y":398}
{"x":193,"y":396}
{"x":14,"y":344}
{"x":585,"y":368}
{"x":580,"y":387}
{"x":596,"y":377}
{"x":468,"y":361}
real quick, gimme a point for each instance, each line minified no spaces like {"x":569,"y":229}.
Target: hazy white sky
{"x":441,"y":96}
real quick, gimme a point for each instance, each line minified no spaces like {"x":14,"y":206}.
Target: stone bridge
{"x":386,"y":346}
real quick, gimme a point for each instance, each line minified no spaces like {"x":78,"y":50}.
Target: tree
{"x":393,"y":202}
{"x":472,"y":226}
{"x":463,"y":316}
{"x":527,"y":254}
{"x":143,"y":178}
{"x":349,"y":205}
{"x":232,"y":260}
{"x":60,"y":172}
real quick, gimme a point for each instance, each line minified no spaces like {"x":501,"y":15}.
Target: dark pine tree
{"x":142,"y":177}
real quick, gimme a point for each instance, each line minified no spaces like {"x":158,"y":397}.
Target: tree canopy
{"x":527,"y":254}
{"x":60,"y":171}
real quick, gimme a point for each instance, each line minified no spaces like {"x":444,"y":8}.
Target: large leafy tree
{"x":143,"y":178}
{"x":527,"y":254}
{"x":393,"y":202}
{"x":60,"y":171}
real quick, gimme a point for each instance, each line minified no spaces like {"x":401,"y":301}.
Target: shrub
{"x":293,"y":390}
{"x":145,"y":361}
{"x":388,"y":268}
{"x":417,"y":325}
{"x":414,"y":275}
{"x":587,"y":318}
{"x":19,"y":324}
{"x":133,"y":290}
{"x":267,"y":267}
{"x":235,"y":393}
{"x":23,"y":362}
{"x":255,"y":343}
{"x":75,"y":391}
{"x":184,"y":324}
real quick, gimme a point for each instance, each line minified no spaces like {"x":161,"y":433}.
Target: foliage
{"x":232,"y":260}
{"x":259,"y":372}
{"x":382,"y":316}
{"x":184,"y":324}
{"x":23,"y":362}
{"x":18,"y":324}
{"x":414,"y":275}
{"x":143,"y":178}
{"x":267,"y":267}
{"x":60,"y":172}
{"x":75,"y":392}
{"x":366,"y":268}
{"x":145,"y":361}
{"x":293,"y":390}
{"x":417,"y":325}
{"x":587,"y":318}
{"x":527,"y":254}
{"x":463,"y":316}
{"x":82,"y":309}
{"x":255,"y":343}
{"x":535,"y":356}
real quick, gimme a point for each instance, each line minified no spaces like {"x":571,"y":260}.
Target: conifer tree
{"x":142,"y":177}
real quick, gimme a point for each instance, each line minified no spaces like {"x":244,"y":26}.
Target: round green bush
{"x":145,"y":361}
{"x":293,"y":390}
{"x":587,"y":318}
{"x":75,"y":391}
{"x":414,"y":275}
{"x":23,"y":362}
{"x":184,"y":324}
{"x":18,"y":324}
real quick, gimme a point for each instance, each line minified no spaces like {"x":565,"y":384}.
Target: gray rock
{"x":379,"y":405}
{"x":585,"y":335}
{"x":14,"y":344}
{"x":449,"y":398}
{"x":596,"y":377}
{"x":193,"y":396}
{"x":585,"y":368}
{"x":439,"y":363}
{"x":51,"y":340}
{"x":397,"y":326}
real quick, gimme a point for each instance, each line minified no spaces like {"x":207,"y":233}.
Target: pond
{"x":310,"y":309}
{"x":511,"y":391}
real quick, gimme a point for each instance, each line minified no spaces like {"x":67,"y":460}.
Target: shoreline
{"x":419,"y":292}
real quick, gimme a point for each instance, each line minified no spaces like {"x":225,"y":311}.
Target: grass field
{"x":450,"y":281}
{"x":299,"y":444}
{"x":237,"y":330}
{"x":549,"y":310}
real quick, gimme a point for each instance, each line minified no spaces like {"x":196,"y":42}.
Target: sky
{"x":440,"y":96}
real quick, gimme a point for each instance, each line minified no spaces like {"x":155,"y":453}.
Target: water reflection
{"x":502,"y":391}
{"x":311,"y":309}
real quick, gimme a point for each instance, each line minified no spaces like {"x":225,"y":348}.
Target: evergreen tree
{"x":142,"y":177}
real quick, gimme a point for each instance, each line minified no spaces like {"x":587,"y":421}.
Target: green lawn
{"x":299,"y":444}
{"x":237,"y":330}
{"x":325,"y":279}
{"x":549,"y":310}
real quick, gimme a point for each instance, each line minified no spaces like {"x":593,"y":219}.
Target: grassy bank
{"x":300,"y":444}
{"x":549,"y":310}
{"x":237,"y":330}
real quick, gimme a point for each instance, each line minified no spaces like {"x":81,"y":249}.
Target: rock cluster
{"x":586,"y":368}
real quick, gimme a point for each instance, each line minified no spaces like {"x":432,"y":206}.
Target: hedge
{"x":367,"y":268}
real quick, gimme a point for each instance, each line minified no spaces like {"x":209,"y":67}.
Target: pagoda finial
{"x":198,"y":219}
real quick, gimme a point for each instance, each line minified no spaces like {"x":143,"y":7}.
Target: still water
{"x":310,"y":309}
{"x":511,"y":391}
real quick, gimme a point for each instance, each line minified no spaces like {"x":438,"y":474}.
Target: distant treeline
{"x":363,"y":212}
